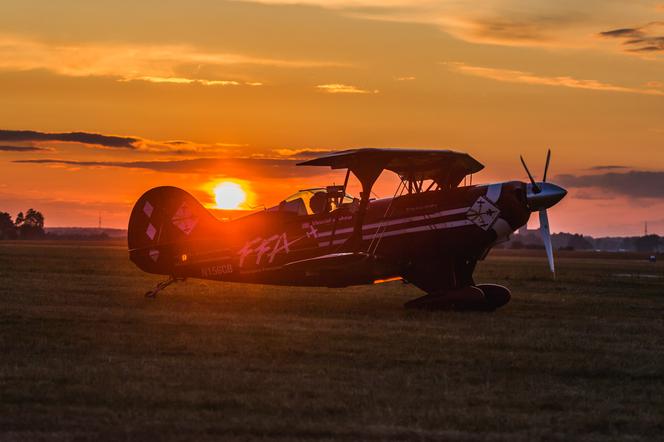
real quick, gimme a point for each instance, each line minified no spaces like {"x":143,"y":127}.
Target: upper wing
{"x":446,"y":167}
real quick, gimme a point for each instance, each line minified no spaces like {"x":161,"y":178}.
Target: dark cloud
{"x":538,"y":28}
{"x":584,"y":195}
{"x":306,"y":154}
{"x":636,"y":184}
{"x":656,"y":47}
{"x":509,"y":30}
{"x":608,"y":167}
{"x":624,"y":32}
{"x":75,"y":137}
{"x":22,"y":149}
{"x":269,"y":168}
{"x":639,"y":39}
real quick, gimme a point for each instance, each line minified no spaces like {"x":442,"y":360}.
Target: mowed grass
{"x":84,"y":355}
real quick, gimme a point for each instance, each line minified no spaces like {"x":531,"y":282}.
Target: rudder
{"x":163,"y":221}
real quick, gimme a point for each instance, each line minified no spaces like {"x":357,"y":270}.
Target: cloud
{"x":608,"y":167}
{"x":528,"y":31}
{"x":22,"y":149}
{"x":171,"y":64}
{"x":635,"y":184}
{"x":515,"y":76}
{"x":186,"y":147}
{"x":303,"y":153}
{"x":497,"y":22}
{"x":338,"y":88}
{"x":203,"y":82}
{"x":589,"y":195}
{"x":263,"y":167}
{"x":73,"y":137}
{"x":181,"y":80}
{"x":648,"y":38}
{"x":175,"y":147}
{"x":624,"y":32}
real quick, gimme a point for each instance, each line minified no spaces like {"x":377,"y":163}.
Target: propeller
{"x":546,"y":165}
{"x":540,"y":197}
{"x":536,"y":188}
{"x":546,"y":239}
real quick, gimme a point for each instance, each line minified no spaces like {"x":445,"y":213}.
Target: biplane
{"x":431,"y":233}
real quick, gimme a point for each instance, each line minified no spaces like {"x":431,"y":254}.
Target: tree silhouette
{"x":649,"y":243}
{"x":7,"y":227}
{"x":30,"y":225}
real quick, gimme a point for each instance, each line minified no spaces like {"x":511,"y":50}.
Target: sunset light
{"x":244,"y":219}
{"x":229,"y":195}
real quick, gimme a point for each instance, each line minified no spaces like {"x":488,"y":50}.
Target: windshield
{"x":316,"y":200}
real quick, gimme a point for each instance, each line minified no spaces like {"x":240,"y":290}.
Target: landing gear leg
{"x":162,"y":285}
{"x":449,"y":285}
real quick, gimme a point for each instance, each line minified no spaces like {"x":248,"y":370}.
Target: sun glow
{"x":229,"y":195}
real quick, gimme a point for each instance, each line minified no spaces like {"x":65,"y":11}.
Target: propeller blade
{"x":546,"y":165}
{"x":536,"y":188}
{"x":546,"y":238}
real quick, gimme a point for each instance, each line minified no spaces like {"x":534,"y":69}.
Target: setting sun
{"x":229,"y":195}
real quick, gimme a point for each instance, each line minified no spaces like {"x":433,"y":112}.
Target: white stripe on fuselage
{"x":492,"y":193}
{"x":395,"y":222}
{"x":424,"y":228}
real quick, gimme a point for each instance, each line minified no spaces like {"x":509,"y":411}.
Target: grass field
{"x":85,"y":356}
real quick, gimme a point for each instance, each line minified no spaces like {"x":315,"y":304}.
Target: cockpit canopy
{"x":314,"y":201}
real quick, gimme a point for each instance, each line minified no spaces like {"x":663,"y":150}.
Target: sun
{"x":229,"y":195}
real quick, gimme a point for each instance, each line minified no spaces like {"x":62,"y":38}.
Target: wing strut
{"x":367,"y":173}
{"x":336,"y":217}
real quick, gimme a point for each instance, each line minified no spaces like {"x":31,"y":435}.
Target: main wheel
{"x":496,"y":295}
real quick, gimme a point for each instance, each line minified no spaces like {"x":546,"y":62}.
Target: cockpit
{"x":315,"y":201}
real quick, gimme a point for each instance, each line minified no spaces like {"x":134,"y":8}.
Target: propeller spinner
{"x":539,"y":197}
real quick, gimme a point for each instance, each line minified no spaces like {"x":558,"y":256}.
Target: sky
{"x":100,"y":101}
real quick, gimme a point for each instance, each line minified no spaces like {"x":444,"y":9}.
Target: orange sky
{"x":204,"y":91}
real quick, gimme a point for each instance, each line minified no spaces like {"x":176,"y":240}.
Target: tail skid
{"x":162,"y":285}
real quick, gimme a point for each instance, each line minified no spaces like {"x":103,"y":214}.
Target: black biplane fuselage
{"x":431,"y":233}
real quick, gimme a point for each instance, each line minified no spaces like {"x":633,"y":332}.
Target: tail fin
{"x":163,"y":224}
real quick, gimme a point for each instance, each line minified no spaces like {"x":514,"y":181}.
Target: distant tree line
{"x":647,"y":243}
{"x":101,"y":236}
{"x":26,"y":226}
{"x":574,"y":241}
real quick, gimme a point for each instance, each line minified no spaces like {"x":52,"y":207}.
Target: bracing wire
{"x":379,"y":233}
